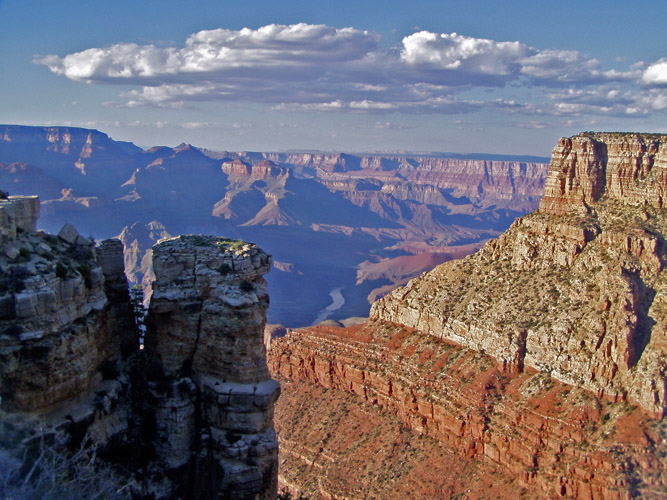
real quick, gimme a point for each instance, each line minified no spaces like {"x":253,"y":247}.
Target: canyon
{"x":528,"y":366}
{"x":376,"y":220}
{"x":184,"y":412}
{"x":534,"y":368}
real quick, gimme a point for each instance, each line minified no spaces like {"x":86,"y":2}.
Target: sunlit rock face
{"x":577,"y":288}
{"x":541,"y":356}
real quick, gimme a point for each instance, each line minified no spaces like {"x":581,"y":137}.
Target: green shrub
{"x":13,"y":280}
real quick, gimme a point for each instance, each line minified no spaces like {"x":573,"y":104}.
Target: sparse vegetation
{"x":286,"y":495}
{"x":224,"y":269}
{"x":84,"y":271}
{"x":13,"y":280}
{"x":49,"y":473}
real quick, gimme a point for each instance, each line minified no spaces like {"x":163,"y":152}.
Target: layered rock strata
{"x":189,"y":416}
{"x":58,"y":318}
{"x":537,"y":438}
{"x":576,"y":289}
{"x":18,"y":214}
{"x":205,"y":332}
{"x":66,"y":331}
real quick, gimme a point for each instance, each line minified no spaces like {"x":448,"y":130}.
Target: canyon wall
{"x":575,"y":289}
{"x":532,"y":436}
{"x":542,"y":354}
{"x":188,"y":416}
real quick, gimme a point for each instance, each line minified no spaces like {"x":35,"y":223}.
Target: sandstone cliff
{"x":189,"y":416}
{"x":576,"y":289}
{"x":543,"y":355}
{"x":506,"y":435}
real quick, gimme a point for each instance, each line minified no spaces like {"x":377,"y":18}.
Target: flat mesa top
{"x":623,"y":135}
{"x":206,"y":241}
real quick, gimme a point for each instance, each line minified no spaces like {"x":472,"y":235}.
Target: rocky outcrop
{"x":628,"y":168}
{"x":205,"y":332}
{"x":263,"y":170}
{"x":545,"y":438}
{"x":575,"y":289}
{"x":58,"y":323}
{"x":189,"y":416}
{"x":18,"y":214}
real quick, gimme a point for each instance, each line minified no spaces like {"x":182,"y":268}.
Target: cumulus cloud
{"x":460,"y":53}
{"x":306,"y":67}
{"x":656,"y":73}
{"x":216,"y":53}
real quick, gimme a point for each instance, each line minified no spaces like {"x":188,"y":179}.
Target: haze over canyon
{"x":359,"y":224}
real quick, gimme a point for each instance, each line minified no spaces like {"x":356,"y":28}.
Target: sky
{"x":485,"y":76}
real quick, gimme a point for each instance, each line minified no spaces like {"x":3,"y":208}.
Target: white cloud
{"x":216,"y":52}
{"x":461,"y":53}
{"x":304,"y":67}
{"x":656,"y":73}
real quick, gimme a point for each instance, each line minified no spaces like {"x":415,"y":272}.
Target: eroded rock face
{"x":205,"y":331}
{"x":190,"y":416}
{"x":576,"y":289}
{"x":537,"y":438}
{"x":18,"y":214}
{"x":630,"y":168}
{"x":58,"y":320}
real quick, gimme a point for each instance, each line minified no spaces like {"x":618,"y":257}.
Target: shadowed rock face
{"x":577,"y":288}
{"x":18,"y":214}
{"x":191,"y":415}
{"x":64,"y":311}
{"x":205,"y":329}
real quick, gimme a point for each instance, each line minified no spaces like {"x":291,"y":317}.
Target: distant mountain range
{"x":362,"y":223}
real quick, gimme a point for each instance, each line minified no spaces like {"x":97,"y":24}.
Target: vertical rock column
{"x":205,"y":325}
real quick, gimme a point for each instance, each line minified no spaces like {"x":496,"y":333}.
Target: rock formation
{"x":543,"y":354}
{"x":189,"y":416}
{"x":59,"y":324}
{"x":575,"y":289}
{"x":18,"y":214}
{"x":537,"y":438}
{"x":206,"y":332}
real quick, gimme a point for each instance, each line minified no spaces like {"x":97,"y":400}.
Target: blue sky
{"x":476,"y":76}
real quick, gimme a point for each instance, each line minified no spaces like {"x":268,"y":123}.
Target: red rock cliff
{"x":575,"y":289}
{"x":550,"y":439}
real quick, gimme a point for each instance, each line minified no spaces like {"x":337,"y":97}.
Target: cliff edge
{"x":577,"y":288}
{"x":540,"y":361}
{"x":187,"y":414}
